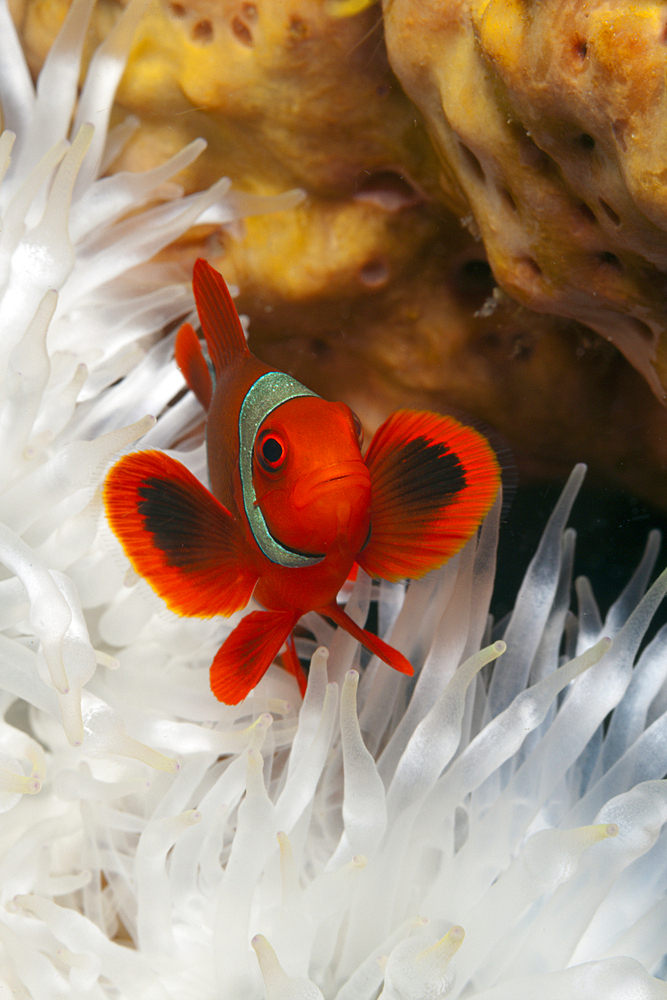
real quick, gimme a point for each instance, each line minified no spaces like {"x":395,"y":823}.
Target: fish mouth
{"x":354,"y":474}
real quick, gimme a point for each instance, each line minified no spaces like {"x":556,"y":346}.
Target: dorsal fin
{"x":219,"y":318}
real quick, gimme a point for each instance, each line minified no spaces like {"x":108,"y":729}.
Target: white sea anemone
{"x":157,"y":844}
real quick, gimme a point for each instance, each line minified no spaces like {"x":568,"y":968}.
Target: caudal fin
{"x":248,"y":652}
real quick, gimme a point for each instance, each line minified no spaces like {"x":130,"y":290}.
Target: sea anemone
{"x":471,"y":832}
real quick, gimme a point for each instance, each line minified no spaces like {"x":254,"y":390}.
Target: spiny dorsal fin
{"x":219,"y":318}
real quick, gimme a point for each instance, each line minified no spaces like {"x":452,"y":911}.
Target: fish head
{"x":311,"y":482}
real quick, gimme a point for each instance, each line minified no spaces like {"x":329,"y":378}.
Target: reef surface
{"x":486,"y":236}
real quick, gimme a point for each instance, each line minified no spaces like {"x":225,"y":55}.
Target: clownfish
{"x":293,"y":502}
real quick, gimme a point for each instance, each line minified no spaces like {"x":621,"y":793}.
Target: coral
{"x":369,"y":289}
{"x":550,"y":119}
{"x":556,"y":394}
{"x":238,"y":74}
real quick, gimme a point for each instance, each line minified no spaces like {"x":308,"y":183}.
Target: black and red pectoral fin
{"x":178,"y":536}
{"x":248,"y":652}
{"x":192,"y":363}
{"x":432,"y":481}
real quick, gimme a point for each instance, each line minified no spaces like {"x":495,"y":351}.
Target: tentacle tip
{"x":106,"y":660}
{"x":74,"y":727}
{"x":140,"y":427}
{"x":86,"y":132}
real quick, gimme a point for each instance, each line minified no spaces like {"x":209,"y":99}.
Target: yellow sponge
{"x":552,"y":118}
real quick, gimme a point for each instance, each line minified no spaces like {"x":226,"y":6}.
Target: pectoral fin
{"x":178,"y":535}
{"x":432,"y":481}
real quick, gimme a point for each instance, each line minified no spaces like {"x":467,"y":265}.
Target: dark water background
{"x":611,"y":527}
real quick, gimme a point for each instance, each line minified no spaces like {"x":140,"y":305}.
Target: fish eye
{"x":358,"y":428}
{"x":271,"y":452}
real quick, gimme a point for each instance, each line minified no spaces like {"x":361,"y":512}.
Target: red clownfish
{"x":293,"y":503}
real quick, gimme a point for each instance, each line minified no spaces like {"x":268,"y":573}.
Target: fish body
{"x":293,"y":502}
